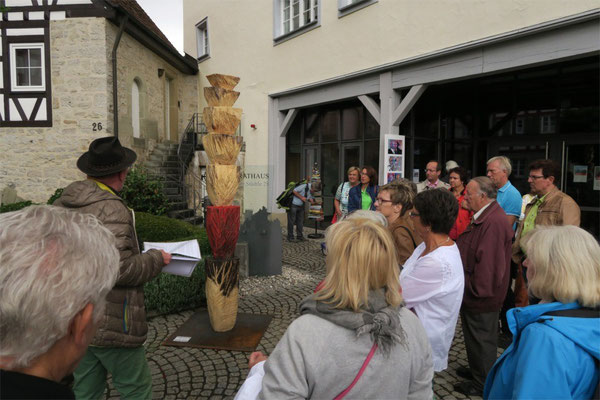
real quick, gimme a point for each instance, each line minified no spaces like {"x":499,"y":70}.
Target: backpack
{"x":284,"y":200}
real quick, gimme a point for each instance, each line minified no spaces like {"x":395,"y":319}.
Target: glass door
{"x":352,"y":156}
{"x":581,"y":181}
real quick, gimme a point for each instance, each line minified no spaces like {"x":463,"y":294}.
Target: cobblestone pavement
{"x":191,"y":373}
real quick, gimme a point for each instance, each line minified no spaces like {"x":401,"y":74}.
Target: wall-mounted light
{"x":161,"y":72}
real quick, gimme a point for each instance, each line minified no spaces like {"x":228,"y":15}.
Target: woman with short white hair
{"x":556,"y":343}
{"x":354,"y":337}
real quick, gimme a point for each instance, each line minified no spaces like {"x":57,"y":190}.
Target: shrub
{"x":57,"y":193}
{"x":144,"y":193}
{"x":15,"y":206}
{"x":169,"y":293}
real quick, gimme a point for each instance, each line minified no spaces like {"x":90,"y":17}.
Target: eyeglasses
{"x":377,"y":199}
{"x":534,"y":177}
{"x":413,"y":214}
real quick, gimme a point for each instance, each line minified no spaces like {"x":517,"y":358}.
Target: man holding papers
{"x":117,"y":346}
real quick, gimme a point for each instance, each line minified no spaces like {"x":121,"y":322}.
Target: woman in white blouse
{"x":432,"y":279}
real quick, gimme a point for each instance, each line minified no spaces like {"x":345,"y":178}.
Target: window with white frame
{"x":295,"y":15}
{"x":27,"y":67}
{"x":202,"y":39}
{"x":349,"y":6}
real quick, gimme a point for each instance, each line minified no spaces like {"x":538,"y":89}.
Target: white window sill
{"x":290,"y":35}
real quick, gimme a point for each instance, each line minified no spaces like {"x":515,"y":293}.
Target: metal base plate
{"x":245,"y":335}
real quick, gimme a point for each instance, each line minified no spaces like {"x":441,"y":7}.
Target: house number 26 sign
{"x":96,"y":126}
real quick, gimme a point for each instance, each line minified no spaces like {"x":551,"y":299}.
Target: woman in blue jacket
{"x":362,"y":197}
{"x":555,"y":350}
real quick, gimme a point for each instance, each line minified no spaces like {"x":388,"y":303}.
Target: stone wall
{"x":37,"y":161}
{"x":152,"y":74}
{"x":40,"y":160}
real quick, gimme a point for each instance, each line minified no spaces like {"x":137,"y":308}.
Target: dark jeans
{"x":480,"y":331}
{"x":295,"y":216}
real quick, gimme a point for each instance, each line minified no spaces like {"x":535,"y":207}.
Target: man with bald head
{"x":485,"y":250}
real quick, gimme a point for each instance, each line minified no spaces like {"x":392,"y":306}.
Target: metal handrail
{"x":189,"y":142}
{"x":190,"y":188}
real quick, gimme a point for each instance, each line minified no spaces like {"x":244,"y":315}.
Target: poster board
{"x":394,"y":157}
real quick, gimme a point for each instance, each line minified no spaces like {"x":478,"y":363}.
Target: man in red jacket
{"x":485,"y":249}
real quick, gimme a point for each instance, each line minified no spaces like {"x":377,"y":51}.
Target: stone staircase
{"x":164,"y":164}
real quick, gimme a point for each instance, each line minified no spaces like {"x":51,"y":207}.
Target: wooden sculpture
{"x":222,"y":181}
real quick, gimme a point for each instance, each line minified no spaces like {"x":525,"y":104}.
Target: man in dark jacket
{"x":118,"y":344}
{"x":485,"y":250}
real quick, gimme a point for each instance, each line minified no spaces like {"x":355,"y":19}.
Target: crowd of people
{"x":470,"y":248}
{"x":403,"y":262}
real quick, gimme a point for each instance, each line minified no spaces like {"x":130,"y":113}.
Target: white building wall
{"x":241,"y":44}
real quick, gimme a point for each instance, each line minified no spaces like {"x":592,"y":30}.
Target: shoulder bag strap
{"x":583,"y":312}
{"x":410,"y":234}
{"x":362,"y":369}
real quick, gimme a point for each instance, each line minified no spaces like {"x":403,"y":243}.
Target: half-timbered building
{"x":58,"y":59}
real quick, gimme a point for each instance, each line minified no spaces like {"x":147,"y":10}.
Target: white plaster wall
{"x":241,"y":43}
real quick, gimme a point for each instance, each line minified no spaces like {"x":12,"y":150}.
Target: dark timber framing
{"x":97,"y":8}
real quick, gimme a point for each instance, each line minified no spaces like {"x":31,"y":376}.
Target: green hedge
{"x":14,"y":206}
{"x":166,"y":293}
{"x":145,"y":193}
{"x":169,"y":293}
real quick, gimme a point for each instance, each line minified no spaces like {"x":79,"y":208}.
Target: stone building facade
{"x":39,"y":157}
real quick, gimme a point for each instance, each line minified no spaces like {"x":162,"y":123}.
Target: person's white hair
{"x":53,"y":262}
{"x":566,"y":262}
{"x":504,"y":163}
{"x":369,"y":215}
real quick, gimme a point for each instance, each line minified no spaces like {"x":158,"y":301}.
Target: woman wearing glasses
{"x":432,"y":279}
{"x":394,"y":201}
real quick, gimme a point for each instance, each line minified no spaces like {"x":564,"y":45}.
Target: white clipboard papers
{"x":185,"y":256}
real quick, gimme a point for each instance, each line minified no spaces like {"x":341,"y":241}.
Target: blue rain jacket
{"x":550,"y":357}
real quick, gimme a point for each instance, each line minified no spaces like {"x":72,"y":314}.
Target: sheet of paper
{"x":184,"y":261}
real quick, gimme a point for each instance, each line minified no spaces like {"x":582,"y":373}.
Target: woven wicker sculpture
{"x":222,"y":181}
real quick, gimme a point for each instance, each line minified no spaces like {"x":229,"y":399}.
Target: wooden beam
{"x":284,"y":127}
{"x":371,"y":106}
{"x":407,"y":104}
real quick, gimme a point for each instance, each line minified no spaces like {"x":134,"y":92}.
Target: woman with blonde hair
{"x":556,"y":344}
{"x":353,"y":336}
{"x":341,"y":195}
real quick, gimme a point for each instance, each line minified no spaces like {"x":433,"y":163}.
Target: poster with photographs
{"x":394,"y":157}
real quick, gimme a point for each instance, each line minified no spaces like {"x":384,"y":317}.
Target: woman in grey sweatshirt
{"x":357,"y":315}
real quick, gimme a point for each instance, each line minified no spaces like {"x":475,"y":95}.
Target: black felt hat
{"x":106,"y":156}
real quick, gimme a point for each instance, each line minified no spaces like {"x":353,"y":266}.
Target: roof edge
{"x":474,"y":44}
{"x":184,"y":63}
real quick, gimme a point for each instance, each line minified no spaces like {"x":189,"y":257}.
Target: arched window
{"x":135,"y":108}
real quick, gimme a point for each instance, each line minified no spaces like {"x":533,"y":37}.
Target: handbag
{"x":335,"y":217}
{"x":360,"y":372}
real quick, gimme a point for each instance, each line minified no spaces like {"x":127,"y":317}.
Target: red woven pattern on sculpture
{"x":223,"y":229}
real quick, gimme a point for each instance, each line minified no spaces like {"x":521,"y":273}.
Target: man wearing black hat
{"x":117,"y":346}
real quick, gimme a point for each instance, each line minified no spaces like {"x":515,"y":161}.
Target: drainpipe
{"x":114,"y":74}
